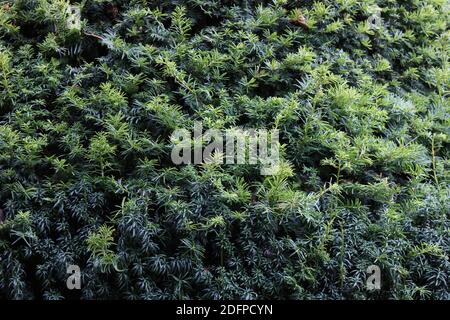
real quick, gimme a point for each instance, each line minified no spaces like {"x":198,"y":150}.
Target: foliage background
{"x":85,"y":172}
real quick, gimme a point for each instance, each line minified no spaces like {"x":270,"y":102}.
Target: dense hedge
{"x":86,"y":176}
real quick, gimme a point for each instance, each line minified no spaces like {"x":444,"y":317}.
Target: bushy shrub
{"x":358,"y":90}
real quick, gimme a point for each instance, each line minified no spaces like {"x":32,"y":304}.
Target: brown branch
{"x":93,"y":35}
